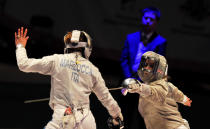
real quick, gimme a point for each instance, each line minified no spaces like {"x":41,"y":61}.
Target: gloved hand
{"x":130,"y":85}
{"x":134,"y":88}
{"x":187,"y":101}
{"x":124,"y":91}
{"x":116,"y":122}
{"x":116,"y":119}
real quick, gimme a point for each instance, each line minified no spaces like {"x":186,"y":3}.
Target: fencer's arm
{"x":105,"y":97}
{"x":140,"y":88}
{"x":160,"y":92}
{"x":25,"y":64}
{"x":43,"y":66}
{"x":154,"y":94}
{"x":178,"y":95}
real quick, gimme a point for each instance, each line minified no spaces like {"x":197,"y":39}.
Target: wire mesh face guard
{"x":148,"y":68}
{"x":150,"y":62}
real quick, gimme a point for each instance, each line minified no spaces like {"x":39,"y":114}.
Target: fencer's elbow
{"x":22,"y":67}
{"x":23,"y":64}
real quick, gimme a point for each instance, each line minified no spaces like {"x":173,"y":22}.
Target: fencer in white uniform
{"x":73,"y":78}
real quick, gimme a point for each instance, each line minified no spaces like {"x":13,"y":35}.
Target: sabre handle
{"x":112,"y":126}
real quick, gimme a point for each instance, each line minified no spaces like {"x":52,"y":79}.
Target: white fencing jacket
{"x":71,"y":83}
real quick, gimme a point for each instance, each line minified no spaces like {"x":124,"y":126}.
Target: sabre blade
{"x":46,"y":99}
{"x":119,"y":88}
{"x":36,"y":100}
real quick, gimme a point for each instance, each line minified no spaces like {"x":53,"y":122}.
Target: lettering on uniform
{"x":75,"y":77}
{"x":82,"y":68}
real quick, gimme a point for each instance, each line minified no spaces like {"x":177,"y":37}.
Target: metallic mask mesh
{"x":159,"y":70}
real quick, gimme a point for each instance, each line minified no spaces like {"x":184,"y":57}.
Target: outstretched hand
{"x":20,"y":36}
{"x":134,"y":88}
{"x":187,"y":101}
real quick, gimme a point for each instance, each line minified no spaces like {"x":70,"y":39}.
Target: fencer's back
{"x":72,"y":80}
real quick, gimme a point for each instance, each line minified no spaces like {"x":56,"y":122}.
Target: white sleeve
{"x":105,"y":97}
{"x":25,"y":64}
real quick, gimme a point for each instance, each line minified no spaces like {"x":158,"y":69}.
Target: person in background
{"x":137,"y":43}
{"x":73,"y":78}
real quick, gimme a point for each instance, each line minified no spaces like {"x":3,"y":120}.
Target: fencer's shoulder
{"x":161,"y":83}
{"x":170,"y":84}
{"x":57,"y":55}
{"x":94,"y":67}
{"x":63,"y":55}
{"x":53,"y":56}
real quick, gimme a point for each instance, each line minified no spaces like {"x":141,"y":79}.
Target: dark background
{"x":184,"y":23}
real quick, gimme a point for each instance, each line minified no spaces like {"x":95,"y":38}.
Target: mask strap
{"x":75,"y":36}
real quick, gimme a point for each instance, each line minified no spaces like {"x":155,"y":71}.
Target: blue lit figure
{"x":137,"y":43}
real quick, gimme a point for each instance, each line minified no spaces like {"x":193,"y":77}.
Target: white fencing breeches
{"x":86,"y":122}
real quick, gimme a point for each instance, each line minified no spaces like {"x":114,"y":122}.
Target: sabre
{"x":36,"y":100}
{"x":118,"y":88}
{"x":124,"y":87}
{"x":46,"y":99}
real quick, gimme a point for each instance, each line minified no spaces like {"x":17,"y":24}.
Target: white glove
{"x":143,"y":89}
{"x":187,"y":101}
{"x":130,"y":85}
{"x":134,"y":88}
